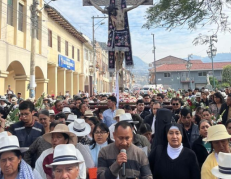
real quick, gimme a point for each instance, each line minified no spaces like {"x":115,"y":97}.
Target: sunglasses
{"x":175,"y":104}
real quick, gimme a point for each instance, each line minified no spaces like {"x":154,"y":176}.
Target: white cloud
{"x":177,"y":42}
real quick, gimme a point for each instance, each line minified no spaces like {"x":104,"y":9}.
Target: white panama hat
{"x":64,"y":154}
{"x":128,"y":118}
{"x":223,"y":170}
{"x":71,"y":118}
{"x":9,"y":143}
{"x":66,"y":110}
{"x":79,"y":127}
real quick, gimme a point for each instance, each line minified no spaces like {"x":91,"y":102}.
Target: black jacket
{"x":175,"y":114}
{"x":200,"y":151}
{"x":225,"y":115}
{"x":144,"y":113}
{"x":149,"y":119}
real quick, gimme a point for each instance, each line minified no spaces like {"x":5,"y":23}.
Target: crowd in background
{"x":165,"y":134}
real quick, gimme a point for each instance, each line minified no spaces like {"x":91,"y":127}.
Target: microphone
{"x":123,"y":164}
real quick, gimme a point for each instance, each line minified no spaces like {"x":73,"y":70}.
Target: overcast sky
{"x":177,"y":42}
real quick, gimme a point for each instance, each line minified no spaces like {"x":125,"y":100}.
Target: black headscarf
{"x":179,"y":126}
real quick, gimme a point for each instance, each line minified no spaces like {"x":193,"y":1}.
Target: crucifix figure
{"x":119,"y":40}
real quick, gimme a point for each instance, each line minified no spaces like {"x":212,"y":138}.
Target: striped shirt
{"x":137,"y":165}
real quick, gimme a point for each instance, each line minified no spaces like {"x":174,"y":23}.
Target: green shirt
{"x":207,"y":145}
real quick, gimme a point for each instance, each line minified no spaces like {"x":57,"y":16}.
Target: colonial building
{"x":63,"y":54}
{"x":178,"y":76}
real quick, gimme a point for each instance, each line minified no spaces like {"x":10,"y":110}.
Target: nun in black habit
{"x":171,"y":160}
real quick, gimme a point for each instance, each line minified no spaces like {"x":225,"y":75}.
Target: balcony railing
{"x":186,"y":79}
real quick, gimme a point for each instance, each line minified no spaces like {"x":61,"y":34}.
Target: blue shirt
{"x":108,"y":116}
{"x":95,"y":151}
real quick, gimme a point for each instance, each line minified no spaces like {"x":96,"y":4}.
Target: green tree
{"x":211,"y":81}
{"x":226,"y":74}
{"x":193,"y":13}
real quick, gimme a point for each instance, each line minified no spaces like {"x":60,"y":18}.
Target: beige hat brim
{"x":72,"y":137}
{"x":216,"y":173}
{"x":217,"y":137}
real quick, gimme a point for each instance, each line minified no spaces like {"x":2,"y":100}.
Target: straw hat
{"x":79,"y":127}
{"x":3,"y":98}
{"x":51,"y":112}
{"x":9,"y":143}
{"x":88,"y":113}
{"x":217,"y":132}
{"x":128,"y":118}
{"x":198,"y":94}
{"x":14,"y":100}
{"x":61,"y":128}
{"x":224,"y":95}
{"x":66,"y":110}
{"x":64,"y":154}
{"x":119,"y":112}
{"x":71,"y":118}
{"x":223,"y":170}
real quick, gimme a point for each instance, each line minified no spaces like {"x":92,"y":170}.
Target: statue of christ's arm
{"x":98,"y":7}
{"x":135,"y":6}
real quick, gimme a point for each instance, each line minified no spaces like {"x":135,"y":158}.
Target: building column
{"x":41,"y":87}
{"x":3,"y":76}
{"x":81,"y":82}
{"x":69,"y":82}
{"x":62,"y":81}
{"x":22,"y":83}
{"x":75,"y":83}
{"x":52,"y":76}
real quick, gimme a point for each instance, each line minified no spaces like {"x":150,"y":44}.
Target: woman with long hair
{"x":100,"y":139}
{"x":215,"y":106}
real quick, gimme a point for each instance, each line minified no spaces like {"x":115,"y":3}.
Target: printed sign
{"x":67,"y":63}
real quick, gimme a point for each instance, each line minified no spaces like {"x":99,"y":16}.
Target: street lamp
{"x":93,"y":41}
{"x":154,"y":52}
{"x":188,"y":66}
{"x":212,"y":53}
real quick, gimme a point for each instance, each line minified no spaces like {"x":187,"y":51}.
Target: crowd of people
{"x":165,"y":135}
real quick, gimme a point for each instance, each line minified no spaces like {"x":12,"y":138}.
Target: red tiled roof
{"x":195,"y":66}
{"x":196,"y":61}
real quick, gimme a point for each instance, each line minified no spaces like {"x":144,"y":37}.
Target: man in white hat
{"x":65,"y":162}
{"x":82,"y":129}
{"x":60,"y":135}
{"x":223,"y":170}
{"x":117,"y":118}
{"x":219,"y":138}
{"x":66,"y":111}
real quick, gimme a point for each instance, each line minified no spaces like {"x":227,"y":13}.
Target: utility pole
{"x":154,"y":52}
{"x":188,"y":66}
{"x":93,"y":41}
{"x":34,"y":22}
{"x":212,"y":53}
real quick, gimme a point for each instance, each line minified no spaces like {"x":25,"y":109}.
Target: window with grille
{"x":73,"y":52}
{"x":66,"y":48}
{"x":167,"y":75}
{"x":78,"y":55}
{"x":20,"y":17}
{"x":10,"y":12}
{"x":203,"y":73}
{"x":59,"y":44}
{"x":49,"y":38}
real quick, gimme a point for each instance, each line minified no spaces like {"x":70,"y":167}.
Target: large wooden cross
{"x":117,"y":22}
{"x":106,"y":2}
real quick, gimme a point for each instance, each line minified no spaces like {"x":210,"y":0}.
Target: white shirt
{"x":39,"y":163}
{"x":153,"y":124}
{"x":112,"y":129}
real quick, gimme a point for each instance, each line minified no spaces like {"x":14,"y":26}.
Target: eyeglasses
{"x":146,"y":98}
{"x":175,"y":104}
{"x":24,"y":114}
{"x":100,"y":132}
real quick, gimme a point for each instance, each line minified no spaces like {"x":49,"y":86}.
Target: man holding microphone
{"x":123,"y":159}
